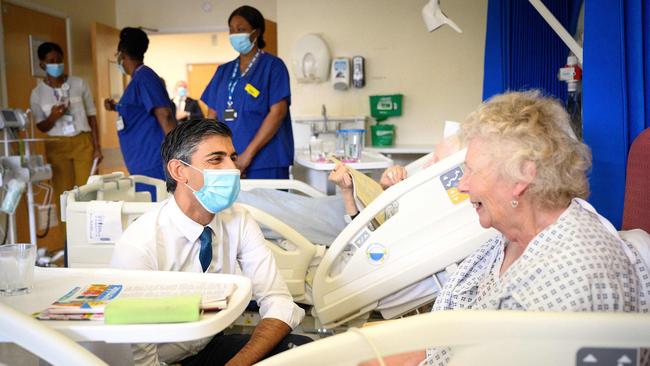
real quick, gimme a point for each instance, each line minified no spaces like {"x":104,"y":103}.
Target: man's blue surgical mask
{"x":181,"y":92}
{"x":241,"y":42}
{"x":220,"y":188}
{"x":54,"y":70}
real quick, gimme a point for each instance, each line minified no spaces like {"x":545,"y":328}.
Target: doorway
{"x":109,"y":83}
{"x":19,"y":25}
{"x":194,"y":57}
{"x":198,"y":77}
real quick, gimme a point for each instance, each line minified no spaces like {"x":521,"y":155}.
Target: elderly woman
{"x":525,"y":174}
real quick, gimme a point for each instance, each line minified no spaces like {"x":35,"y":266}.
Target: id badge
{"x":68,"y":125}
{"x":119,"y":123}
{"x":229,"y":115}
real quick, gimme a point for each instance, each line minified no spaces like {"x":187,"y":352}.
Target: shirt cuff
{"x":287,"y":311}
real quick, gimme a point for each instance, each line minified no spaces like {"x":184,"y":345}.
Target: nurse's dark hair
{"x":133,"y":42}
{"x":46,"y":48}
{"x":181,"y":142}
{"x":255,"y":19}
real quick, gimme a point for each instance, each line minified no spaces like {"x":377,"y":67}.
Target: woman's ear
{"x":176,"y":171}
{"x":529,"y":171}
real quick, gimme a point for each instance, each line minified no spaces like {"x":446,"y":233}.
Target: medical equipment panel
{"x":13,"y":118}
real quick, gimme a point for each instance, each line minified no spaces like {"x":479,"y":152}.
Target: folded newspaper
{"x":366,"y":190}
{"x":89,"y":302}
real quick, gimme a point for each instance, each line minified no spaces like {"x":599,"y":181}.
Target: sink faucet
{"x":323,"y":112}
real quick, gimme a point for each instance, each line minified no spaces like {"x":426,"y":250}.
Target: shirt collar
{"x":190,"y":229}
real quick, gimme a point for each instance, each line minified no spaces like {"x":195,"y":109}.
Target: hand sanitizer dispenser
{"x":341,"y":73}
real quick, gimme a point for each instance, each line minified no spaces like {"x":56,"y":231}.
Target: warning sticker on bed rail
{"x":377,"y":253}
{"x":450,"y":181}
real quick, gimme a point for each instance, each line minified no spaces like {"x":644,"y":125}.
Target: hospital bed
{"x":40,"y":340}
{"x":488,"y":338}
{"x":430,"y":228}
{"x":79,"y":253}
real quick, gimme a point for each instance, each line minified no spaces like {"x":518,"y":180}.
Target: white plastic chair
{"x":43,"y":341}
{"x":499,"y":338}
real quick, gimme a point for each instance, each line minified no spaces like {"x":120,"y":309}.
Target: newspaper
{"x":366,"y":190}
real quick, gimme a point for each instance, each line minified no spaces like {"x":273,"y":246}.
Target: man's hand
{"x":109,"y":104}
{"x":392,"y":176}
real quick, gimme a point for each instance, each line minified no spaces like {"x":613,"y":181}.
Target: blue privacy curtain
{"x":616,"y":94}
{"x":521,"y":49}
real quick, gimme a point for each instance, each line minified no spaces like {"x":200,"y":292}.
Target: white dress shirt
{"x":180,"y":103}
{"x":44,"y":97}
{"x":165,"y":239}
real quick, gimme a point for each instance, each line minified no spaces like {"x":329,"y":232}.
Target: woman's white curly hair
{"x":520,"y":127}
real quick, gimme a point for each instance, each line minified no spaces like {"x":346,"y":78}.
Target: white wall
{"x":439,"y":73}
{"x":185,"y":15}
{"x":169,"y":54}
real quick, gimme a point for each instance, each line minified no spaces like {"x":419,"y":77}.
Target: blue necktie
{"x":205,"y":255}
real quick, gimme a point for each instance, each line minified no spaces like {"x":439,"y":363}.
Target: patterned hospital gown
{"x":575,"y":264}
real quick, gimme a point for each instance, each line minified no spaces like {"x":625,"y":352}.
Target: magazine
{"x":87,"y":300}
{"x":88,"y":303}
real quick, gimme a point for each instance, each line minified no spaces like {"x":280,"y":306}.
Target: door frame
{"x":190,"y":29}
{"x":41,"y":9}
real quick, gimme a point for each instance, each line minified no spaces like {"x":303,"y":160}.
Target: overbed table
{"x":52,"y":283}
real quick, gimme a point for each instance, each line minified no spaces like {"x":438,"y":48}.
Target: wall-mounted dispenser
{"x":311,"y":59}
{"x":358,"y":72}
{"x":341,"y":73}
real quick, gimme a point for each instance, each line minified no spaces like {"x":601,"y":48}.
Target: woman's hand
{"x":57,"y":112}
{"x":97,"y":154}
{"x":392,"y":175}
{"x":243,"y":161}
{"x":341,"y":177}
{"x":109,"y":104}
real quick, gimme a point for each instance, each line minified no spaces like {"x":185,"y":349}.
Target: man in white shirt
{"x":196,"y":230}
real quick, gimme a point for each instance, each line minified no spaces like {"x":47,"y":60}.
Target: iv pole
{"x":564,"y":35}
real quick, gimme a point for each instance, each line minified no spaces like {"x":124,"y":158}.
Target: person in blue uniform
{"x":251,"y":95}
{"x":145,"y":114}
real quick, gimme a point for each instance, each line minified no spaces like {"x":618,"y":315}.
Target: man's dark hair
{"x":183,"y":140}
{"x":46,"y":48}
{"x":255,"y":19}
{"x":133,"y":42}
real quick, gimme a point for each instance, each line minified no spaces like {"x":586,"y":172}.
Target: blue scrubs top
{"x":270,"y":77}
{"x":142,"y":136}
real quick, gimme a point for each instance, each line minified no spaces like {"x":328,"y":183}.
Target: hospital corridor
{"x":311,"y":182}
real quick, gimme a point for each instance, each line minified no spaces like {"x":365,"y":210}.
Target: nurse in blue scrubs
{"x":251,"y":95}
{"x":145,"y":114}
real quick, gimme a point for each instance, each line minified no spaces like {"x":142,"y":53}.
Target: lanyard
{"x":234,"y":79}
{"x":61,"y":93}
